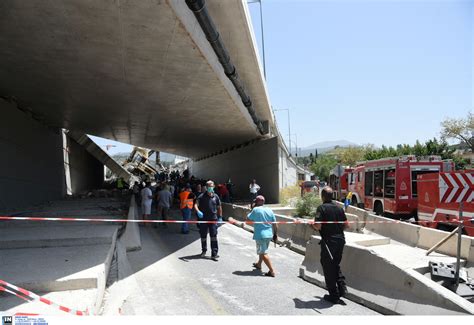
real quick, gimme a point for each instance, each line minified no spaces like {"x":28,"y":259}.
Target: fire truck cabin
{"x":389,"y":186}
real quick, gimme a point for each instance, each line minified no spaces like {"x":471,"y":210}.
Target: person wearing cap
{"x":332,"y":244}
{"x":186,"y":203}
{"x":264,"y":231}
{"x":208,"y":208}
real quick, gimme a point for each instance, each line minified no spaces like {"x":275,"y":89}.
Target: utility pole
{"x":263,"y":39}
{"x":458,"y":253}
{"x":296,"y":143}
{"x":339,"y":172}
{"x":289,"y":131}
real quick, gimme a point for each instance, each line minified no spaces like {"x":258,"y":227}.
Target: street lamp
{"x":289,"y":131}
{"x":295,"y":142}
{"x":261,"y":30}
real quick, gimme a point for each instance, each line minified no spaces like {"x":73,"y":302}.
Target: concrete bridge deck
{"x":139,"y":72}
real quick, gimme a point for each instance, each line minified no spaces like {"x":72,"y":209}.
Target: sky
{"x":380,"y":72}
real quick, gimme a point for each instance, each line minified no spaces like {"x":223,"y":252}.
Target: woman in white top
{"x":147,"y":199}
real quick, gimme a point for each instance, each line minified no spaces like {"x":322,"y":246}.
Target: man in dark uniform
{"x":208,"y":208}
{"x":332,"y":245}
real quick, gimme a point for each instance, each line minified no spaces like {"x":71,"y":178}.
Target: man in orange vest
{"x":186,"y":201}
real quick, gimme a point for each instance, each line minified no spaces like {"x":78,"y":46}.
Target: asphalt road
{"x":174,"y":280}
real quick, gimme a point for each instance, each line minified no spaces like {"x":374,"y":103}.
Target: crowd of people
{"x":190,"y":194}
{"x":175,"y":183}
{"x":204,"y":199}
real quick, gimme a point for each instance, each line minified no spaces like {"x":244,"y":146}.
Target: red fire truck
{"x":440,"y":198}
{"x":344,"y":179}
{"x":389,"y":186}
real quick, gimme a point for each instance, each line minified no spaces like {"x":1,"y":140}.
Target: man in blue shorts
{"x":263,"y":233}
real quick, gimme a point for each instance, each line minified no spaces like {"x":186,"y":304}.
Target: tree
{"x":434,"y":147}
{"x":460,"y":129}
{"x":419,"y":150}
{"x":303,"y":161}
{"x":311,"y":158}
{"x":349,"y":156}
{"x":323,"y":165}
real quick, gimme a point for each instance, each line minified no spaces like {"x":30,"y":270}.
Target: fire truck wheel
{"x":354,"y":201}
{"x":445,"y":227}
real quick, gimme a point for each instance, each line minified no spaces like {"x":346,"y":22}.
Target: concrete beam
{"x":86,"y":172}
{"x":100,"y":155}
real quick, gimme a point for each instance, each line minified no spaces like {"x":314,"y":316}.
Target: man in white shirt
{"x":254,"y":188}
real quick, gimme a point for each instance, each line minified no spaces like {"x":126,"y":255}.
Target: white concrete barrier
{"x":235,"y":211}
{"x":419,"y":236}
{"x":382,"y":285}
{"x":403,"y":232}
{"x":102,"y":277}
{"x":289,"y":212}
{"x":295,"y":236}
{"x":131,"y":237}
{"x":429,"y":237}
{"x":125,"y":286}
{"x":285,"y":231}
{"x":355,"y":224}
{"x":471,"y":251}
{"x":413,"y":235}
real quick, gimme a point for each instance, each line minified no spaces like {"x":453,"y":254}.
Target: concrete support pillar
{"x":31,"y":164}
{"x":258,"y":161}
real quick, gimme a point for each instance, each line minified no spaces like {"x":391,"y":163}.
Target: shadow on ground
{"x":254,"y":272}
{"x":313,"y":304}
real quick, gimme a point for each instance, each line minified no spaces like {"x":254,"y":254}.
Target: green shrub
{"x":307,"y":205}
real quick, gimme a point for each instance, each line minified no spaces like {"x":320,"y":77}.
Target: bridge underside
{"x":139,"y":72}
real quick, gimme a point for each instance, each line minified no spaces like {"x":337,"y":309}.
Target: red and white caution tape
{"x":14,"y":293}
{"x":21,"y":297}
{"x":297,"y":221}
{"x":8,"y":287}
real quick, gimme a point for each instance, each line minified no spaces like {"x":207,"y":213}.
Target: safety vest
{"x":186,"y":203}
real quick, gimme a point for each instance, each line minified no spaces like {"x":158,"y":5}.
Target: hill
{"x":324,"y":147}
